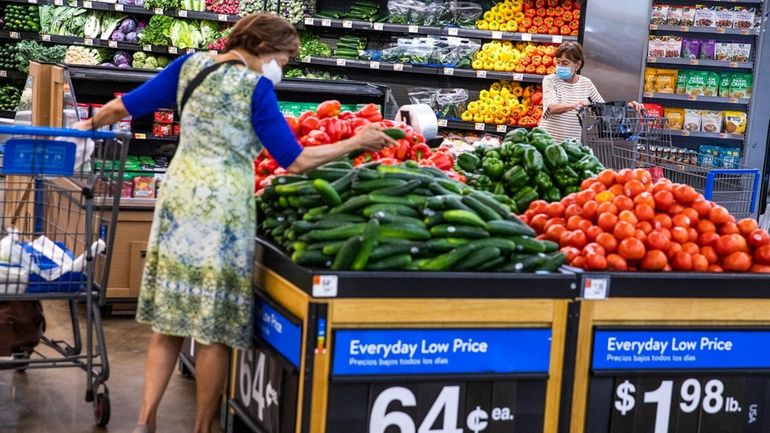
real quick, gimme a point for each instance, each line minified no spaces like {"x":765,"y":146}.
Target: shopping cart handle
{"x":62,"y":132}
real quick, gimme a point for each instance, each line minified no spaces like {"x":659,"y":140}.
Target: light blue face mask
{"x":564,"y":72}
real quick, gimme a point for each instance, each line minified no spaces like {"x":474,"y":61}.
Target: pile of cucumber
{"x":362,"y":10}
{"x":401,"y":217}
{"x":348,"y":47}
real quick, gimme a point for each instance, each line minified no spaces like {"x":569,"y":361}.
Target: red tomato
{"x":609,"y":242}
{"x":684,"y":194}
{"x":631,"y":249}
{"x":762,"y":255}
{"x":727,"y":245}
{"x":747,"y":225}
{"x":624,"y":230}
{"x":555,"y":209}
{"x":692,"y":235}
{"x":710,"y":254}
{"x":576,"y":239}
{"x":583,"y":197}
{"x":681,"y":220}
{"x":673,"y":249}
{"x":715,"y":268}
{"x":644,"y":226}
{"x":623,"y":203}
{"x":654,"y":260}
{"x":595,"y":262}
{"x":737,"y":262}
{"x":594,"y":248}
{"x":700,"y":263}
{"x":607,"y":207}
{"x":634,"y":188}
{"x":708,"y":239}
{"x":729,"y":229}
{"x":607,"y":221}
{"x":570,"y":253}
{"x":691,"y":248}
{"x":692,"y":214}
{"x":572,"y":210}
{"x":682,"y":261}
{"x":656,"y":240}
{"x":555,"y":232}
{"x":701,"y":206}
{"x":607,"y":177}
{"x":645,"y":198}
{"x":538,"y":222}
{"x":643,"y":176}
{"x":573,"y":222}
{"x":629,"y":217}
{"x":680,"y":234}
{"x":663,"y":200}
{"x":705,"y":226}
{"x":644,"y":212}
{"x":720,"y":215}
{"x":764,"y":269}
{"x":616,"y":263}
{"x":589,"y":209}
{"x":623,"y":176}
{"x":593,"y":232}
{"x":757,"y":238}
{"x":662,"y":221}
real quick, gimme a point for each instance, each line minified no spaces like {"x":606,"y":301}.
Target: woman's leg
{"x":210,"y":373}
{"x":162,"y":355}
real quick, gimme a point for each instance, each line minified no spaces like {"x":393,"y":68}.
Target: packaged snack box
{"x":712,"y":85}
{"x":711,"y":121}
{"x":735,"y":122}
{"x":726,"y":80}
{"x":665,"y":80}
{"x":675,"y":117}
{"x":740,"y":87}
{"x":696,"y":83}
{"x":692,"y":120}
{"x":681,"y":82}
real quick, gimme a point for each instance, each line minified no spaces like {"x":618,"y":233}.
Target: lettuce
{"x":186,"y":34}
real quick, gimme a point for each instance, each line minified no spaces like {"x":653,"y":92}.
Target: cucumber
{"x":391,"y":208}
{"x":271,"y":223}
{"x":352,"y":205}
{"x":493,"y":264}
{"x":396,"y":172}
{"x":373,"y":185}
{"x":327,"y":192}
{"x":404,"y":231}
{"x":435,"y":219}
{"x":528,"y":245}
{"x":509,"y":228}
{"x":395,"y":133}
{"x":552,"y":264}
{"x":550,"y":247}
{"x":370,"y":239}
{"x":478,"y":258}
{"x":310,"y":258}
{"x":524,"y":262}
{"x":319,"y":246}
{"x":369,"y":174}
{"x":333,"y":248}
{"x":387,"y":199}
{"x":456,"y":202}
{"x":436,"y":202}
{"x":464,"y":217}
{"x":438,"y":189}
{"x":334,"y":234}
{"x":452,"y":185}
{"x":291,"y":188}
{"x":447,"y":260}
{"x":390,"y":218}
{"x":315,"y":212}
{"x":486,"y":213}
{"x":445,"y":244}
{"x":340,"y":218}
{"x":338,"y":164}
{"x":395,"y":262}
{"x":301,"y":226}
{"x":400,"y":190}
{"x":343,"y":184}
{"x":505,"y":245}
{"x":299,"y":246}
{"x":435,"y":172}
{"x":287,"y":179}
{"x":389,"y":250}
{"x":458,"y":231}
{"x":417,"y":200}
{"x":345,"y":256}
{"x":491,"y":203}
{"x":328,"y":174}
{"x":308,"y":201}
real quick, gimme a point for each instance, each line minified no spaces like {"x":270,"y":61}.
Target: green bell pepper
{"x":565,"y":177}
{"x":541,"y":141}
{"x":480,"y":151}
{"x":589,"y":163}
{"x":537,"y":130}
{"x":574,"y":152}
{"x":483,"y":182}
{"x":506,"y":151}
{"x":519,"y":135}
{"x":552,"y":194}
{"x":519,"y":149}
{"x":498,"y":188}
{"x":543,"y":181}
{"x":556,"y":156}
{"x":524,"y":197}
{"x":493,"y":167}
{"x":492,"y":153}
{"x":468,"y":162}
{"x":516,"y":178}
{"x":533,"y":161}
{"x":570,"y":189}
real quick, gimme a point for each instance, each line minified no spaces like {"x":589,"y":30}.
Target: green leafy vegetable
{"x":31,"y":50}
{"x":158,"y":31}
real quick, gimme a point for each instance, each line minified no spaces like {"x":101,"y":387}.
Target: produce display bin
{"x":672,"y":353}
{"x":381,"y":351}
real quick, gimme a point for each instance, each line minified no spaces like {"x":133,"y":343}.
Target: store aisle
{"x":51,"y":401}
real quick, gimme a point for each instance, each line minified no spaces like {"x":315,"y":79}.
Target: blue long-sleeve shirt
{"x":266,"y":117}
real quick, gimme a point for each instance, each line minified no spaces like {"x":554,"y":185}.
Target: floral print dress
{"x":198,"y":269}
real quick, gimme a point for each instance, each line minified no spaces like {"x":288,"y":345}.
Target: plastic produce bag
{"x":451,"y":103}
{"x":466,"y":13}
{"x":407,"y":12}
{"x":423,"y":95}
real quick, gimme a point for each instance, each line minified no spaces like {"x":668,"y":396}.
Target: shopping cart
{"x":59,"y":198}
{"x":622,"y":137}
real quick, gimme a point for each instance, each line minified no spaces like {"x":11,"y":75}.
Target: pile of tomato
{"x":625,"y":221}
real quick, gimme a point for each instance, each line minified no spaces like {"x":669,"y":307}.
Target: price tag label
{"x":721,"y":30}
{"x":173,"y":50}
{"x":378,"y":26}
{"x":88,"y":5}
{"x":452,"y":31}
{"x":14,"y":35}
{"x":158,"y":11}
{"x":306,"y":59}
{"x":723,"y":135}
{"x":693,"y":97}
{"x":342,"y":62}
{"x":449,"y":71}
{"x":557,"y":39}
{"x":518,"y":77}
{"x":685,"y":133}
{"x":442,"y":123}
{"x":58,"y":2}
{"x":221,"y":17}
{"x":480,"y":126}
{"x":309,"y":21}
{"x":347,"y":24}
{"x":374,"y":65}
{"x":596,"y":287}
{"x":648,"y":95}
{"x":398,"y":67}
{"x":3,"y":74}
{"x":140,"y":136}
{"x":326,"y":22}
{"x":502,"y":128}
{"x":88,"y":41}
{"x":146,"y":47}
{"x":694,"y":62}
{"x":682,"y":29}
{"x":325,"y":286}
{"x":734,"y":100}
{"x":190,"y":50}
{"x":45,"y":38}
{"x":733,"y":64}
{"x":34,"y":2}
{"x":497,"y":35}
{"x":745,"y":32}
{"x":653,"y":27}
{"x":526,"y":37}
{"x":414,"y":29}
{"x":113,"y":44}
{"x":481,"y":74}
{"x":652,"y":59}
{"x":119,"y":7}
{"x":182,"y":14}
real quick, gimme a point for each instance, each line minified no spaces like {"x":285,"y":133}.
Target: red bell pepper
{"x":310,"y":123}
{"x":426,"y":163}
{"x":347,"y":115}
{"x":370,"y":112}
{"x":305,"y":115}
{"x":389,"y":161}
{"x":315,"y":138}
{"x":365,"y":157}
{"x":293,"y":124}
{"x":267,"y":166}
{"x":402,"y":150}
{"x":329,"y":108}
{"x":456,"y":176}
{"x":442,"y":160}
{"x":337,"y":129}
{"x":358,"y":122}
{"x":419,"y":151}
{"x":386,"y":123}
{"x":387,"y":152}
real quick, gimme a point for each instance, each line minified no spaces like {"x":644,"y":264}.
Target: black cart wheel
{"x":21,"y":368}
{"x":102,"y":409}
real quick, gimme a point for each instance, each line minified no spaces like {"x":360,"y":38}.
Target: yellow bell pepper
{"x":477,"y":64}
{"x":518,"y":91}
{"x":505,"y":111}
{"x":494,"y":26}
{"x":478,"y":118}
{"x":499,"y":66}
{"x":517,"y":6}
{"x":501,"y":120}
{"x":513,"y":26}
{"x":489,"y":65}
{"x":484,"y":95}
{"x":482,"y":25}
{"x":498,"y":99}
{"x":490,"y":118}
{"x":489,"y":16}
{"x":466,"y":116}
{"x":493,"y":93}
{"x":496,"y":86}
{"x":519,"y":16}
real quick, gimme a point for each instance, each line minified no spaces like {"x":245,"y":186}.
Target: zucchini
{"x":524,"y":262}
{"x":391,"y":218}
{"x":373,"y":185}
{"x":458,"y":231}
{"x":403,"y":231}
{"x":478,"y":258}
{"x":395,"y":133}
{"x":310,"y":258}
{"x":400,"y":190}
{"x":389,"y":250}
{"x":399,"y":261}
{"x":464,"y":217}
{"x":328,"y":174}
{"x":387,"y":199}
{"x":345,"y":256}
{"x":552,"y":264}
{"x":370,"y":239}
{"x":352,"y":205}
{"x":287,"y":179}
{"x":327,"y":192}
{"x":528,"y":245}
{"x":486,"y":213}
{"x":509,"y":228}
{"x":396,"y":209}
{"x":337,"y":233}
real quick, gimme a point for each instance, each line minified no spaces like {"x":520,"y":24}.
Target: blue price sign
{"x":278,"y":331}
{"x":441,"y":351}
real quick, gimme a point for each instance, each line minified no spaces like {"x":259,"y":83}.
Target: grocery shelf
{"x":472,"y":126}
{"x":100,"y":73}
{"x":434,"y":30}
{"x":151,"y":137}
{"x":419,"y":69}
{"x":94,"y":42}
{"x":12,"y":74}
{"x":683,"y":284}
{"x":707,"y":135}
{"x":699,"y":62}
{"x":422,"y":284}
{"x":127,"y":203}
{"x":709,"y":99}
{"x":7,"y":114}
{"x":130,"y":9}
{"x":704,"y":30}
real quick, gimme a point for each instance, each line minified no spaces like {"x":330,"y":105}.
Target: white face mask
{"x":272,"y":71}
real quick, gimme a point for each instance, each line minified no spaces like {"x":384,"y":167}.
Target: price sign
{"x":442,"y":123}
{"x":458,"y":405}
{"x":684,"y":29}
{"x":596,"y":287}
{"x":58,"y":2}
{"x":682,"y":380}
{"x":721,"y":30}
{"x":449,"y":71}
{"x":119,"y":7}
{"x":326,"y":22}
{"x":414,"y":29}
{"x":733,"y":64}
{"x":309,"y":21}
{"x":158,"y":11}
{"x":378,"y":26}
{"x":694,"y":62}
{"x":497,"y":35}
{"x":479,"y":126}
{"x":14,"y":35}
{"x":45,"y":38}
{"x":502,"y":128}
{"x":146,"y":47}
{"x":181,"y":13}
{"x":347,"y":24}
{"x":3,"y":74}
{"x":325,"y":286}
{"x":452,"y":31}
{"x":88,"y":41}
{"x":342,"y":62}
{"x":88,"y":5}
{"x":140,"y":136}
{"x":398,"y":67}
{"x":173,"y":50}
{"x":653,"y":27}
{"x":518,"y":77}
{"x":481,"y":74}
{"x":526,"y":37}
{"x":374,"y":65}
{"x":652,"y":59}
{"x":557,"y":39}
{"x":190,"y":50}
{"x":34,"y":2}
{"x":113,"y":44}
{"x":221,"y":17}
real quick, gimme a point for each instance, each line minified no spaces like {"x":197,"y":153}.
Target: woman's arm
{"x":371,"y":138}
{"x":560,"y":108}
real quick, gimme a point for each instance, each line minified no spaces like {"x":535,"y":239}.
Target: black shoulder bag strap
{"x":195,"y":82}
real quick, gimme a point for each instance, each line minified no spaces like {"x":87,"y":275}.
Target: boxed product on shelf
{"x":744,"y":18}
{"x":660,"y":15}
{"x":692,"y":120}
{"x":675,"y":117}
{"x":164,"y":116}
{"x":740,"y":52}
{"x":735,"y":122}
{"x":719,"y":156}
{"x":162,"y":129}
{"x":740,"y":85}
{"x":711,"y":121}
{"x":725,"y":17}
{"x":688,"y":16}
{"x":144,"y":187}
{"x":654,"y":110}
{"x":705,"y":16}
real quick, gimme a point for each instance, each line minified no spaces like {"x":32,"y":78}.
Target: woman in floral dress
{"x":197,"y":278}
